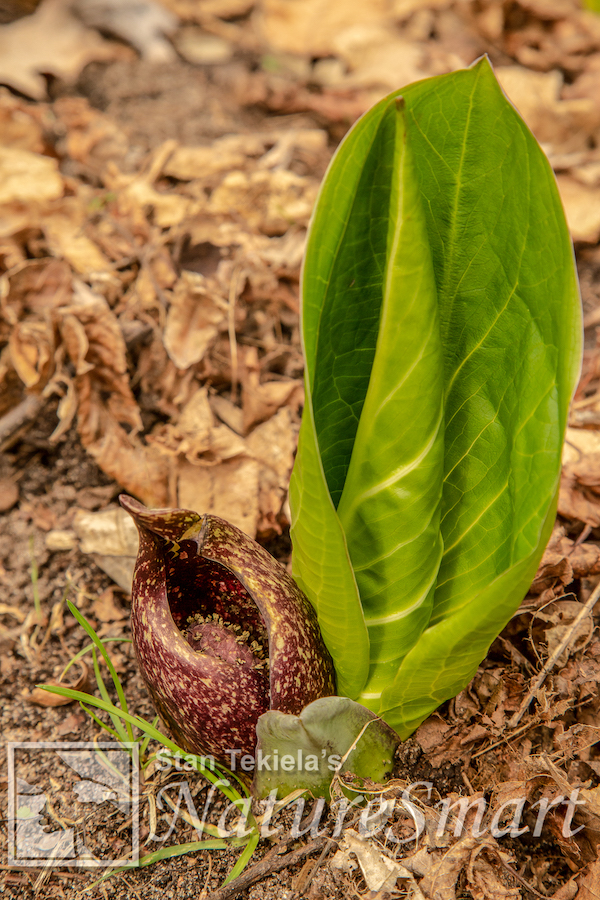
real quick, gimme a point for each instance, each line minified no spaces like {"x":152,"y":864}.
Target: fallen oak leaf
{"x":379,"y":871}
{"x":195,"y":314}
{"x":576,"y":500}
{"x":27,"y":177}
{"x":51,"y":41}
{"x":261,"y":401}
{"x":106,"y":610}
{"x":40,"y":697}
{"x":563,"y":561}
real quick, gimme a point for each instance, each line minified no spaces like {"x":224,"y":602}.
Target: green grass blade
{"x":244,"y":858}
{"x":96,"y":640}
{"x":165,"y":853}
{"x":102,"y":724}
{"x":81,"y":653}
{"x":211,"y":774}
{"x":146,"y":740}
{"x":122,"y":731}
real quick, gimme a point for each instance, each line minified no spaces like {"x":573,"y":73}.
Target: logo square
{"x":73,"y":803}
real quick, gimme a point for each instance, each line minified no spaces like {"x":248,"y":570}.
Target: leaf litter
{"x":149,"y":343}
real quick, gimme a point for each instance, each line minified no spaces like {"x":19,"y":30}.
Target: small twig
{"x":233,"y":293}
{"x":505,"y":740}
{"x":267,"y":866}
{"x":526,"y":884}
{"x":303,"y":887}
{"x":22,"y":414}
{"x":551,"y":661}
{"x":581,"y":538}
{"x":468,"y":784}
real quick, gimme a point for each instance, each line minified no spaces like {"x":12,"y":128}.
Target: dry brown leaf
{"x":20,"y":123}
{"x":196,"y":312}
{"x":379,"y":871}
{"x":578,"y":443}
{"x":307,"y":27}
{"x":575,"y":501}
{"x":142,"y":23}
{"x":581,"y":453}
{"x":241,"y":151}
{"x":37,"y":287}
{"x":439,"y":883}
{"x":136,"y":193}
{"x":261,"y":401}
{"x":96,"y":347}
{"x":582,"y":207}
{"x":564,"y":560}
{"x":562,"y":614}
{"x":106,"y":406}
{"x":29,"y":298}
{"x":43,"y":698}
{"x":229,"y":490}
{"x":67,"y":240}
{"x":168,"y":208}
{"x":555,"y":567}
{"x":110,"y":532}
{"x":91,"y":137}
{"x":589,"y":883}
{"x":402,"y":9}
{"x":550,"y":9}
{"x":228,"y":413}
{"x":223,"y":155}
{"x":196,"y":436}
{"x":191,"y":10}
{"x":485,"y":881}
{"x":561,"y":125}
{"x":568,"y":891}
{"x":139,"y":469}
{"x":585,"y":559}
{"x":200,"y":48}
{"x":31,"y":347}
{"x":51,"y":41}
{"x":27,"y":177}
{"x":273,"y":445}
{"x":376,"y":57}
{"x":60,"y":539}
{"x":105,"y":609}
{"x":268,"y":202}
{"x":432,"y":733}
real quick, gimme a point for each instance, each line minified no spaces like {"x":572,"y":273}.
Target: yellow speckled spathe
{"x":209,"y":695}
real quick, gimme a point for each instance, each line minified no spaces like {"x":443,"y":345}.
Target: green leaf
{"x":309,"y":748}
{"x":390,"y":504}
{"x":442,"y":332}
{"x":323,"y":570}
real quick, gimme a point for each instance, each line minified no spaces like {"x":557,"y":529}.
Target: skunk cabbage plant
{"x":221,"y":632}
{"x":441,"y":328}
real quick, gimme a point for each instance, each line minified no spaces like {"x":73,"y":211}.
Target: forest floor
{"x":156,"y":180}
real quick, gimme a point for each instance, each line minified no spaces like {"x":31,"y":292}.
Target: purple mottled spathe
{"x":208,"y":686}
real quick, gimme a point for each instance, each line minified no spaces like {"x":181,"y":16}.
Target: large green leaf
{"x":441,"y":328}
